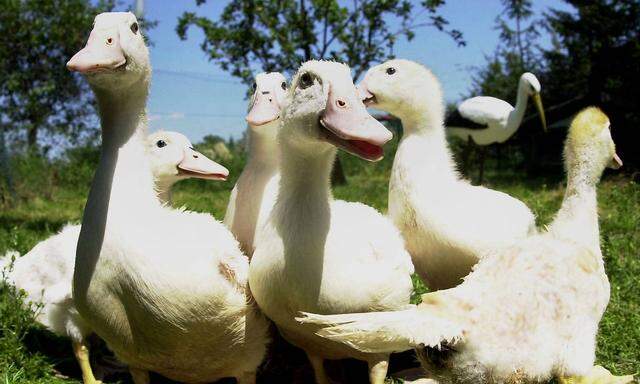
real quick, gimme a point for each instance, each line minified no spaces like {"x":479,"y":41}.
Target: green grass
{"x":29,"y":355}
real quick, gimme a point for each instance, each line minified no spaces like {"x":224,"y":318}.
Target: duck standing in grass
{"x":316,"y":253}
{"x":528,"y":311}
{"x":166,"y":289}
{"x":446,"y":222}
{"x":46,"y":272}
{"x":254,"y":194}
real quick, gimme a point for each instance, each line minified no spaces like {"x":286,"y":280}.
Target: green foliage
{"x":517,"y":52}
{"x":279,"y":35}
{"x":595,"y":57}
{"x":37,"y":93}
{"x":593,"y":61}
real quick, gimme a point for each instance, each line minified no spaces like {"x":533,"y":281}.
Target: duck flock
{"x":192,"y":298}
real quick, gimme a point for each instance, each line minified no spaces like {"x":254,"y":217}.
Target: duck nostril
{"x":195,"y":156}
{"x":341,"y":103}
{"x":109,"y":41}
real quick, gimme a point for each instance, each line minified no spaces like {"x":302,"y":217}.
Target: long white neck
{"x":263,"y":146}
{"x":124,"y":168}
{"x":303,"y":213}
{"x":577,"y":218}
{"x":424,"y":149}
{"x":515,"y":117}
{"x":305,"y":178}
{"x":122,"y":189}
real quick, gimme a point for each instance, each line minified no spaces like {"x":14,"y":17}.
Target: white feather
{"x":386,"y":332}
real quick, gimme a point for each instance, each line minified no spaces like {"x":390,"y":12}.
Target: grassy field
{"x":29,"y":354}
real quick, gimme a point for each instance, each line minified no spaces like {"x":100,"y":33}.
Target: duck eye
{"x":284,"y":85}
{"x":254,"y":86}
{"x":305,"y":80}
{"x":391,"y":71}
{"x":134,"y":28}
{"x":161,"y":143}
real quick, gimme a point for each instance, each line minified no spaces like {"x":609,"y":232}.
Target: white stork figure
{"x":486,"y":120}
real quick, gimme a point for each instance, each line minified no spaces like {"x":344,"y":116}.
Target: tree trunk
{"x":5,"y":167}
{"x":32,"y":136}
{"x":337,"y":173}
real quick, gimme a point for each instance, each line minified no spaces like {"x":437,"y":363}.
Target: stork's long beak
{"x":538,"y":102}
{"x":195,"y":164}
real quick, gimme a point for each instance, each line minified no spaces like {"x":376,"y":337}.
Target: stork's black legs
{"x":483,"y":152}
{"x":466,"y":154}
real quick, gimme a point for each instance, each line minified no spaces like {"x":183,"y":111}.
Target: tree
{"x":596,"y":57}
{"x":517,"y":52}
{"x":37,"y":93}
{"x":279,"y":35}
{"x":265,"y":35}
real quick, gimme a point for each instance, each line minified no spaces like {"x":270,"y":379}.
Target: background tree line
{"x":594,"y":58}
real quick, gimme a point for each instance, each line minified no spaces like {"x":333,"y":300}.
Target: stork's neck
{"x":577,"y":218}
{"x":423,"y":149}
{"x":263,"y":146}
{"x":515,"y":117}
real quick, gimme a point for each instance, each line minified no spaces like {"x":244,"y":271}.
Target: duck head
{"x":405,"y":89}
{"x":269,"y":90}
{"x":173,"y":158}
{"x":323,"y":109}
{"x":589,"y":148}
{"x":115,"y":56}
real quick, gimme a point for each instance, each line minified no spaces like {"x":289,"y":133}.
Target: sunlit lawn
{"x":29,"y":355}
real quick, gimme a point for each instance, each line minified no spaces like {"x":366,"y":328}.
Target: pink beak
{"x":195,"y":164}
{"x":363,"y":93}
{"x":349,"y":126}
{"x":616,"y":162}
{"x":265,"y":108}
{"x":102,"y":52}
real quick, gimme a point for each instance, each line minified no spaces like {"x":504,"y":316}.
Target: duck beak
{"x":349,"y":126}
{"x":265,"y":109}
{"x":195,"y":164}
{"x":103,"y":52}
{"x":616,"y":162}
{"x":538,"y":102}
{"x":368,"y":98}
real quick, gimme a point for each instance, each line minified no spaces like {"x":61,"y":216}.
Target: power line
{"x":177,"y":115}
{"x":195,"y":76}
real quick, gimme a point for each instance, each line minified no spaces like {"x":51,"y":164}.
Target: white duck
{"x":166,"y":289}
{"x":255,"y":192}
{"x":172,"y":158}
{"x":45,"y":273}
{"x":446,"y":222}
{"x":528,"y":311}
{"x":316,"y":253}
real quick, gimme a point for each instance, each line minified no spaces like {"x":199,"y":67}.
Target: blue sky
{"x":192,"y":95}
